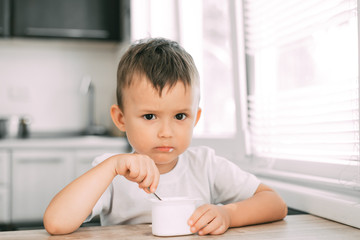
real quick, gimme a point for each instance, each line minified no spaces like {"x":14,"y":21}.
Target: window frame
{"x":323,"y":194}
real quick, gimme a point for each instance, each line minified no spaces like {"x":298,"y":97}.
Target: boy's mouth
{"x":165,"y":149}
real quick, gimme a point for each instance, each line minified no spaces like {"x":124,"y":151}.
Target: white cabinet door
{"x":36,"y":177}
{"x":85,"y":157}
{"x":4,"y":186}
{"x":4,"y":206}
{"x":4,"y":167}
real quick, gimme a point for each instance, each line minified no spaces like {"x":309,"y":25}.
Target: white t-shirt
{"x":199,"y":173}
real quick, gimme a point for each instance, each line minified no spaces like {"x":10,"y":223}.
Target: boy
{"x":158,"y":107}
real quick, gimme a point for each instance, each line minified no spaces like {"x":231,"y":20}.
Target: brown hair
{"x":163,"y":62}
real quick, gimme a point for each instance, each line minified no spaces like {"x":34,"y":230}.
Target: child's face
{"x":159,"y":127}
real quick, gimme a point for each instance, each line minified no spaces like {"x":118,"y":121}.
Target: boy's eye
{"x":180,"y":116}
{"x":149,"y":116}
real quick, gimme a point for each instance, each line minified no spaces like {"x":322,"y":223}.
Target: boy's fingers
{"x":142,"y":175}
{"x":203,"y":222}
{"x":138,"y":170}
{"x":147,"y":190}
{"x":151,"y":182}
{"x":219,"y":230}
{"x":213,"y":227}
{"x":142,"y":170}
{"x":151,"y":171}
{"x":130,"y":169}
{"x":197,"y":214}
{"x":146,"y":182}
{"x":155,"y":181}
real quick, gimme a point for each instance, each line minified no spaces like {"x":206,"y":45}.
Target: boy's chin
{"x":167,"y":163}
{"x":164,"y":160}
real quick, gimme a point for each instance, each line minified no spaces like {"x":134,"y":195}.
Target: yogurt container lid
{"x":174,"y":200}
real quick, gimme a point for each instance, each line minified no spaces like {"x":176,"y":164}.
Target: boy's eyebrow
{"x":184,"y":110}
{"x":148,"y":110}
{"x":160,"y":110}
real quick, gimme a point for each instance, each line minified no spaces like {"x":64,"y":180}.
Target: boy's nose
{"x":165,"y":130}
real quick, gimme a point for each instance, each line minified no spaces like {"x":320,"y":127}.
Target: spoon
{"x":155,"y":195}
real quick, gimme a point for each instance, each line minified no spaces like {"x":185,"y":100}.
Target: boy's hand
{"x":209,"y":219}
{"x":140,"y":169}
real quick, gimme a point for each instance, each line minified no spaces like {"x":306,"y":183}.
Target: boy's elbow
{"x":283,"y":210}
{"x":52,"y":229}
{"x":55,"y":227}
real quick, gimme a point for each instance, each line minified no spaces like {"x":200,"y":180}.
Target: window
{"x":298,"y":105}
{"x":217,"y":78}
{"x":203,"y":29}
{"x":303,"y":97}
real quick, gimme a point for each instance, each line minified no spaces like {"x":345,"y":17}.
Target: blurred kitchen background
{"x":57,"y":72}
{"x":279,"y":93}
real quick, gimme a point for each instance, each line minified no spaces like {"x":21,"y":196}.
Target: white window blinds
{"x":302,"y":71}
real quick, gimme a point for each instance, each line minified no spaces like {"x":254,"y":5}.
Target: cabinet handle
{"x":66,"y":32}
{"x":39,"y":160}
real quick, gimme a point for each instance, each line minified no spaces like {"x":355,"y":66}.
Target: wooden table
{"x":293,"y":227}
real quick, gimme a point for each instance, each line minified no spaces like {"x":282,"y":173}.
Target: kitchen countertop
{"x":64,"y":142}
{"x":293,"y":227}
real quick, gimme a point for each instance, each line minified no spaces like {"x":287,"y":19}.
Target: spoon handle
{"x":155,"y":195}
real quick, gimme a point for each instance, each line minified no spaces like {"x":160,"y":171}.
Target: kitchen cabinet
{"x":84,"y":159}
{"x":4,"y":186}
{"x":36,"y":177}
{"x":97,"y":19}
{"x":80,"y":19}
{"x":4,"y":202}
{"x":32,"y":171}
{"x":4,"y":17}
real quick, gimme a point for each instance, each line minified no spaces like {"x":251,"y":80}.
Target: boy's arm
{"x":70,"y":207}
{"x":264,"y":206}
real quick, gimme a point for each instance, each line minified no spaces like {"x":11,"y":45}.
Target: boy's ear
{"x":117,"y":117}
{"x":198,"y":116}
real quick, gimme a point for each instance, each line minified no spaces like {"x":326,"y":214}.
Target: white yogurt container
{"x":170,"y":216}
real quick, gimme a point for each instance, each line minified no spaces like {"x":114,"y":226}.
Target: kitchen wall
{"x":41,"y":79}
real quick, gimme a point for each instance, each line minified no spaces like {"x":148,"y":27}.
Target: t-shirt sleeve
{"x":231,"y":183}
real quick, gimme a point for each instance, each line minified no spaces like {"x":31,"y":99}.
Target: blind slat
{"x":324,"y":129}
{"x":288,"y":21}
{"x":319,"y":120}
